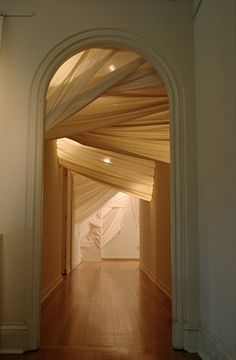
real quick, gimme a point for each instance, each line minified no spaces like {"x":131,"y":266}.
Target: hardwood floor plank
{"x":106,"y":310}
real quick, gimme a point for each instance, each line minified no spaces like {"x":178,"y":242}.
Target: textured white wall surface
{"x":215,"y":102}
{"x":126,"y":243}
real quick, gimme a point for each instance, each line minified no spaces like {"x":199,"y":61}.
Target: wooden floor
{"x":106,"y":310}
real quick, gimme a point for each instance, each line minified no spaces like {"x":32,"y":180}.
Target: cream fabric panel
{"x":126,"y":173}
{"x":111,"y":225}
{"x":89,"y":196}
{"x":103,"y":225}
{"x":147,"y":141}
{"x":80,"y":87}
{"x":113,"y":99}
{"x":106,"y":111}
{"x":112,"y":216}
{"x":114,"y":103}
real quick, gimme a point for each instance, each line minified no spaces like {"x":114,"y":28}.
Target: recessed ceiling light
{"x":107,"y":160}
{"x":112,"y":67}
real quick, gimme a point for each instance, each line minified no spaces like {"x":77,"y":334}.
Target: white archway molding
{"x":184,"y":270}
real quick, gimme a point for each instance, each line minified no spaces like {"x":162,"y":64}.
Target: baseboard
{"x":49,"y":289}
{"x":13,"y":338}
{"x":211,"y":347}
{"x":68,"y":270}
{"x":73,"y":266}
{"x":191,"y":336}
{"x":161,"y":286}
{"x":92,"y":259}
{"x":119,"y":259}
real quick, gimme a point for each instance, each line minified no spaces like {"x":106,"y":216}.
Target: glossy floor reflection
{"x":106,"y":310}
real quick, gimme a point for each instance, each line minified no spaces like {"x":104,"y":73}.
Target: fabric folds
{"x":122,"y":172}
{"x":99,"y":223}
{"x":109,"y":103}
{"x":89,"y":196}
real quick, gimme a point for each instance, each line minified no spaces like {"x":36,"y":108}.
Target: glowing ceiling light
{"x":107,"y":160}
{"x":112,"y":68}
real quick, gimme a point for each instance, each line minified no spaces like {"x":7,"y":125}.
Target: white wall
{"x":92,"y":253}
{"x":215,"y":61}
{"x":52,"y":220}
{"x":165,"y":26}
{"x":155,"y":227}
{"x":125,"y":245}
{"x":75,"y":248}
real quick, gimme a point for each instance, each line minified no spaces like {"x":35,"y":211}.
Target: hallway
{"x":106,"y":310}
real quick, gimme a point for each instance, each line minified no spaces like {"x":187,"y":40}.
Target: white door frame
{"x":184,"y":270}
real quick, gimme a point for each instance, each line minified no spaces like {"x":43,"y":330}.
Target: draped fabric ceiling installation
{"x":109,"y":109}
{"x":98,"y":212}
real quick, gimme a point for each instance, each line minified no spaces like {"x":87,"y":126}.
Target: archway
{"x":94,"y":38}
{"x":132,"y":116}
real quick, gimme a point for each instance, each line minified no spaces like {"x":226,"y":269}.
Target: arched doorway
{"x":179,"y":212}
{"x":130,"y":116}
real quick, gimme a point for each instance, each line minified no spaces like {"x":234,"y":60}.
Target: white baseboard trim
{"x":49,"y":289}
{"x":68,"y":270}
{"x":73,"y":266}
{"x":121,"y":258}
{"x":190,"y":330}
{"x":91,"y":259}
{"x":158,"y":283}
{"x":13,"y":338}
{"x":191,"y":336}
{"x":211,"y":347}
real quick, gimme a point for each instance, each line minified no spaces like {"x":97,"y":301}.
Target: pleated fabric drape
{"x":98,"y":218}
{"x":109,"y":103}
{"x":124,"y":172}
{"x":112,"y":217}
{"x":89,"y":196}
